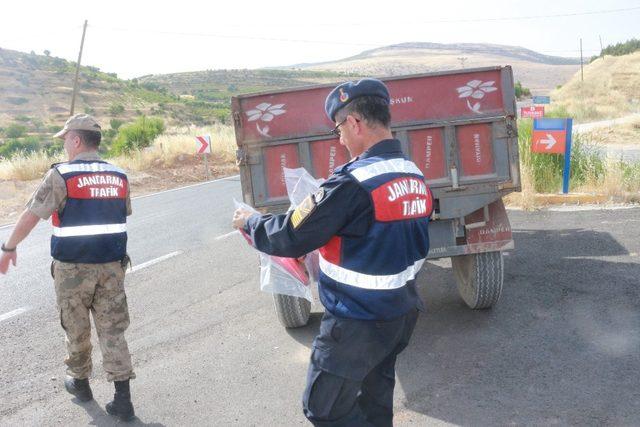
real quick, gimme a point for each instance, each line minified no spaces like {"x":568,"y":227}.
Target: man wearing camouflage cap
{"x":88,"y":200}
{"x":369,"y":219}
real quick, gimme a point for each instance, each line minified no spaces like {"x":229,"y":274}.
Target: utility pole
{"x":601,"y":49}
{"x":462,"y":59}
{"x":75,"y":82}
{"x":581,"y":67}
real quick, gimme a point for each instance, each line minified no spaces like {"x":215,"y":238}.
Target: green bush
{"x":620,"y":49}
{"x":116,"y":109}
{"x":22,"y":118}
{"x":54,"y":148}
{"x":521,"y":92}
{"x":14,"y":146}
{"x":116,"y":123}
{"x":15,"y":130}
{"x":137,"y":135}
{"x":37,"y":124}
{"x":54,"y":129}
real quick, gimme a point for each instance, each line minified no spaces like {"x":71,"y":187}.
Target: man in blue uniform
{"x":370,"y":221}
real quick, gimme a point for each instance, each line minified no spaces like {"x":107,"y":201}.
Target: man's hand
{"x":240,"y":217}
{"x":5,"y":259}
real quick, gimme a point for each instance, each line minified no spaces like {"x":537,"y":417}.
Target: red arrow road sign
{"x":205,"y":144}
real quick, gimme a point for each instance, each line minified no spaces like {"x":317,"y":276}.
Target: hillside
{"x":35,"y":90}
{"x":221,"y":85}
{"x":540,"y":73}
{"x":611,"y":88}
{"x":38,"y":88}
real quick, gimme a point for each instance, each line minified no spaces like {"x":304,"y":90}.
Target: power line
{"x":518,"y":18}
{"x":286,"y":40}
{"x":371,"y":44}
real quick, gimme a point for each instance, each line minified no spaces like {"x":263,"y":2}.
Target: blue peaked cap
{"x":346,"y":92}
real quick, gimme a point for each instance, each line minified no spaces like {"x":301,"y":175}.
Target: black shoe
{"x":121,"y":407}
{"x":79,"y":388}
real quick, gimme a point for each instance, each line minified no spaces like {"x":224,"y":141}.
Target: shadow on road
{"x":306,"y":334}
{"x":561,"y":346}
{"x":101,"y":418}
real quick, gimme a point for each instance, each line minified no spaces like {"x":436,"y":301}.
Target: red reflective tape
{"x":97,"y":186}
{"x":331,"y":251}
{"x":55,"y":219}
{"x":402,"y":198}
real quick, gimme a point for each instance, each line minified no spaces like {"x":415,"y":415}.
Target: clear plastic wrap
{"x":288,"y":276}
{"x":279,"y":275}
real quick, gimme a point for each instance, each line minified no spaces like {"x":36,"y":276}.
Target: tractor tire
{"x":293,"y":312}
{"x":479,"y":278}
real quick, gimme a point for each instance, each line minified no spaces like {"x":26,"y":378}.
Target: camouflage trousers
{"x":99,"y":289}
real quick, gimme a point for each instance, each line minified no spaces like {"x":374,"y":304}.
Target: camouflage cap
{"x":79,"y":122}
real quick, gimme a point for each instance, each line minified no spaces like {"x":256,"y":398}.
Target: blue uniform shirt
{"x":345,"y":210}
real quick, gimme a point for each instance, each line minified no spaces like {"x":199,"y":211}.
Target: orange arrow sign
{"x":548,"y":141}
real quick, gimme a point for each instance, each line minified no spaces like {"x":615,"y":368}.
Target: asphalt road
{"x":561,"y":347}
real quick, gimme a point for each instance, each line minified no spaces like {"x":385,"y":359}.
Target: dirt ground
{"x":187,"y":170}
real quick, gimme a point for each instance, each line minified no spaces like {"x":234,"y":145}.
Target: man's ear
{"x":354,"y":124}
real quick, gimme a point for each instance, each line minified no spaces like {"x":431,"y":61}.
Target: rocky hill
{"x":538,"y":72}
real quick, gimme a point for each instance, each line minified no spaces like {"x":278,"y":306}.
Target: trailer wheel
{"x":293,"y":312}
{"x":479,"y":278}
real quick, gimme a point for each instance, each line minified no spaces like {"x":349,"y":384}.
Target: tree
{"x":47,"y":52}
{"x":521,"y":92}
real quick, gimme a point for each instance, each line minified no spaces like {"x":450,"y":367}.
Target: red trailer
{"x":459,"y":127}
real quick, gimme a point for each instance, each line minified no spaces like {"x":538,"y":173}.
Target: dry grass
{"x":176,"y":143}
{"x":166,"y":151}
{"x":25,"y":167}
{"x":611,"y":88}
{"x":619,"y":181}
{"x":525,"y":199}
{"x":620,"y":134}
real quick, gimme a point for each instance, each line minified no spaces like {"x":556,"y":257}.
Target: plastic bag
{"x":279,"y":275}
{"x":287,"y":276}
{"x":300,"y":184}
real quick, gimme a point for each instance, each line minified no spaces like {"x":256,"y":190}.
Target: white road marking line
{"x":13,"y":313}
{"x":570,"y":208}
{"x":154,"y":261}
{"x":185,"y":187}
{"x":224,"y":236}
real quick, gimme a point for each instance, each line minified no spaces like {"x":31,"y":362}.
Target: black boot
{"x":79,"y":388}
{"x":121,"y":405}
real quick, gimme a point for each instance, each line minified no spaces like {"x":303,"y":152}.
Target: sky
{"x":138,"y":37}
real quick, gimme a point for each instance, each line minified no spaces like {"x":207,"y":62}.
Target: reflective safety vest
{"x":92,"y":226}
{"x":372,"y":277}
